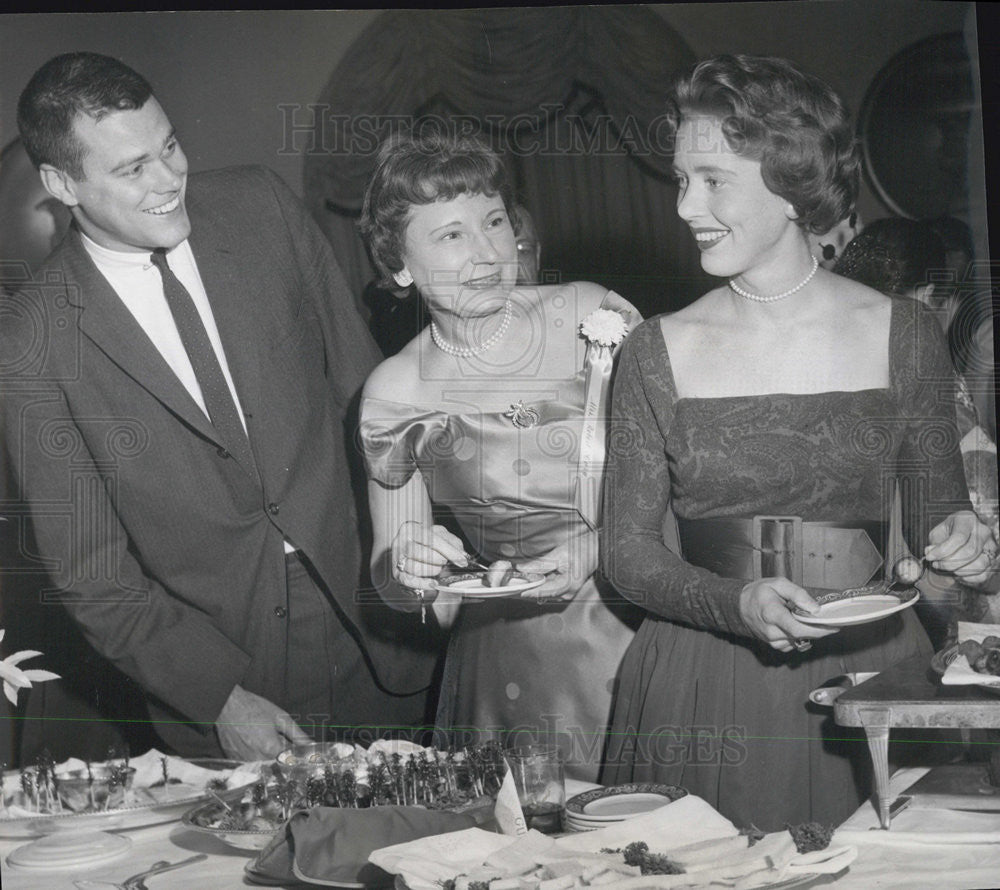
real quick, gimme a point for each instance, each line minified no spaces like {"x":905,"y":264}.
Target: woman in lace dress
{"x":776,"y":415}
{"x":491,"y":422}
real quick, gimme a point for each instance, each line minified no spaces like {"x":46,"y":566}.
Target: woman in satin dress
{"x":777,"y":416}
{"x":492,"y":422}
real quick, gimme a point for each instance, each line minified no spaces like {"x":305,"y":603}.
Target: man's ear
{"x":59,"y":184}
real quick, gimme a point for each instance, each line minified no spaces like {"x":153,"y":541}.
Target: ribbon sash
{"x":593,"y":449}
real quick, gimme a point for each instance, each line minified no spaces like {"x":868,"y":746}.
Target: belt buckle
{"x":777,"y":547}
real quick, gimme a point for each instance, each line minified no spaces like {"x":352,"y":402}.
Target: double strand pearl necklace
{"x":757,"y":298}
{"x":468,"y":351}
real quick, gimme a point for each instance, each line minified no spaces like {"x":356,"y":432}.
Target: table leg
{"x":876,"y":722}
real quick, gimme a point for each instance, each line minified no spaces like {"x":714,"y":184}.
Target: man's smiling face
{"x":131,"y":196}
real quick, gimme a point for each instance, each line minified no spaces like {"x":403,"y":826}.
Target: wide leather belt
{"x":827,"y":555}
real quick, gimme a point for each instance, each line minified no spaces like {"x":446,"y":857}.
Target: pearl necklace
{"x":756,"y":298}
{"x":469,"y":351}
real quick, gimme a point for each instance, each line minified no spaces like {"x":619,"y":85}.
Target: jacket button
{"x":223,"y":453}
{"x":273,"y":509}
{"x":280,"y":611}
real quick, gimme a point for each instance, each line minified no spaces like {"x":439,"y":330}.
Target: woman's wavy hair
{"x":793,"y":123}
{"x":421,"y":168}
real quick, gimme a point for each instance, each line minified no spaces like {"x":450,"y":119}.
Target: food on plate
{"x":49,"y":789}
{"x":585,"y":870}
{"x":536,"y":862}
{"x":386,"y":774}
{"x":167,"y":779}
{"x":314,"y":752}
{"x":984,"y":657}
{"x":637,"y":853}
{"x":810,"y":836}
{"x":78,"y":787}
{"x":499,"y":573}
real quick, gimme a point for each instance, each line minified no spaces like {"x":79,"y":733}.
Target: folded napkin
{"x":960,"y":672}
{"x":149,"y":771}
{"x":918,"y":826}
{"x":330,"y":845}
{"x":688,"y":830}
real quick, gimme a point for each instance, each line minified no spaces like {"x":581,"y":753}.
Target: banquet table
{"x":910,"y":859}
{"x":908,"y":695}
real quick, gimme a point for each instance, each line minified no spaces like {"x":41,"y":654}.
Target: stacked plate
{"x":605,"y":806}
{"x":70,"y":850}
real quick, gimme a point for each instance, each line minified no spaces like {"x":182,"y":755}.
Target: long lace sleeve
{"x":637,"y":494}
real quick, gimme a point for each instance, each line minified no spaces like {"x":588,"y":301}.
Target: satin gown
{"x":516,"y":670}
{"x":704,"y":704}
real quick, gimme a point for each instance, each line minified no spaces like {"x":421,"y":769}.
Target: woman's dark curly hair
{"x":420,"y":168}
{"x":793,"y":123}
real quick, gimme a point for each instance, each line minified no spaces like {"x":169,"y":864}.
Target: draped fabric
{"x":573,"y":97}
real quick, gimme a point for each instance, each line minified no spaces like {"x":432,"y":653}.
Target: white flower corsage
{"x":605,"y":327}
{"x":14,"y":679}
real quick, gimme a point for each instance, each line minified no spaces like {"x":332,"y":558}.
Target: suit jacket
{"x":165,"y":550}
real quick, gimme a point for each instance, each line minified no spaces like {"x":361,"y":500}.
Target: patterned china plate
{"x":858,"y":609}
{"x":619,"y":802}
{"x":472,"y":584}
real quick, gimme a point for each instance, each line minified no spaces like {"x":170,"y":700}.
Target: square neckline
{"x":662,"y":345}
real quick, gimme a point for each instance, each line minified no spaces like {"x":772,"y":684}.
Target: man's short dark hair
{"x":68,"y":85}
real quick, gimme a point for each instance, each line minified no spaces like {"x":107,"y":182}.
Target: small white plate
{"x":471,"y":586}
{"x":70,"y":850}
{"x":857,"y":610}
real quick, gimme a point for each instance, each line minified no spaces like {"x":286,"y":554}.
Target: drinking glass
{"x":540,"y":781}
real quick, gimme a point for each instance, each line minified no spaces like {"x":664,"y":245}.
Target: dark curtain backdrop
{"x":574,"y":99}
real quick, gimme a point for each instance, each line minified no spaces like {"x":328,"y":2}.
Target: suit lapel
{"x":113,"y":329}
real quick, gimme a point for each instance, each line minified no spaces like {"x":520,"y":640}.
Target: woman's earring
{"x":790,"y":212}
{"x":403,"y":278}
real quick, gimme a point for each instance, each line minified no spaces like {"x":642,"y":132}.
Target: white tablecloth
{"x":222,"y":870}
{"x":908,"y":860}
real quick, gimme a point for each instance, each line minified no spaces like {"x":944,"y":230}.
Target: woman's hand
{"x":566,"y":567}
{"x":963,"y":546}
{"x":766,"y":606}
{"x":420,"y":553}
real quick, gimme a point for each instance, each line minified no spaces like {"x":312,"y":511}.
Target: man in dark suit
{"x":175,"y":386}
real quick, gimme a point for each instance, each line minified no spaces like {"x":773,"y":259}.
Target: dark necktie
{"x":214,"y":389}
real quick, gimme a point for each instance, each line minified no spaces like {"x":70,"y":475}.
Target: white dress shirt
{"x":138,"y":284}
